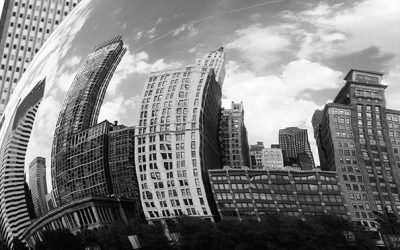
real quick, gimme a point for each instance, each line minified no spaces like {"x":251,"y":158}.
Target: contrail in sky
{"x":205,"y":19}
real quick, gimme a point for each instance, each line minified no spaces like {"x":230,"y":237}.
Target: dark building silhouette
{"x":296,"y":147}
{"x":233,"y":137}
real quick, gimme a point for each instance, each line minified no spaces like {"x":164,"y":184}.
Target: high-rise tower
{"x":24,"y":27}
{"x":38,"y":185}
{"x":295,"y":145}
{"x":177,"y":140}
{"x":216,"y":61}
{"x":233,"y":137}
{"x":359,"y":139}
{"x":79,"y":164}
{"x":15,"y":213}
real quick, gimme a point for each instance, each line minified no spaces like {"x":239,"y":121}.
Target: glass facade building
{"x":243,"y":193}
{"x":79,"y":164}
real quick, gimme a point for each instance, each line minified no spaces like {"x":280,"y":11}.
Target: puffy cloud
{"x":193,"y":31}
{"x":138,"y":35}
{"x":151,"y":33}
{"x":392,"y":79}
{"x":271,"y":102}
{"x":260,"y":45}
{"x":159,"y":20}
{"x":138,"y":63}
{"x":117,"y":108}
{"x":335,"y":30}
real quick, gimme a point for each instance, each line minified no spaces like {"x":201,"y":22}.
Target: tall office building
{"x":177,"y":140}
{"x":233,"y":137}
{"x":24,"y":27}
{"x":250,"y":194}
{"x":256,"y":153}
{"x":122,"y":162}
{"x":15,"y":212}
{"x":359,"y":138}
{"x":296,"y":147}
{"x":272,"y":158}
{"x":266,"y":158}
{"x":79,"y":164}
{"x":214,"y":60}
{"x":38,"y":185}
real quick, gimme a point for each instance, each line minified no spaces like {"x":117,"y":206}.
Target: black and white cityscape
{"x":199,"y":124}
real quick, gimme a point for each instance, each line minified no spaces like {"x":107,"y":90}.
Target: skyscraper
{"x":295,"y":147}
{"x":216,"y":61}
{"x":24,"y":27}
{"x":79,"y":164}
{"x":38,"y":185}
{"x":122,"y":161}
{"x":256,"y":155}
{"x":359,"y":139}
{"x":177,"y":140}
{"x":233,"y":137}
{"x":272,"y":158}
{"x":15,"y":213}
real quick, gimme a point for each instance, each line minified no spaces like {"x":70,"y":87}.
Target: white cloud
{"x":151,"y":33}
{"x":333,"y":30}
{"x":138,"y":35}
{"x":192,"y":31}
{"x":159,"y":20}
{"x":271,"y":101}
{"x":392,"y":79}
{"x":117,"y":108}
{"x":260,"y":45}
{"x":136,"y":64}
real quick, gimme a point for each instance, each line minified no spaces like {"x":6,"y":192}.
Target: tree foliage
{"x":60,"y":239}
{"x":326,"y":232}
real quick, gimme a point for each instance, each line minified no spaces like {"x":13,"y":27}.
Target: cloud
{"x":192,"y":31}
{"x":159,"y":20}
{"x":332,"y":30}
{"x":138,"y":63}
{"x":392,"y":79}
{"x":151,"y":33}
{"x":116,"y":109}
{"x":272,"y":102}
{"x":138,"y":35}
{"x":260,"y":45}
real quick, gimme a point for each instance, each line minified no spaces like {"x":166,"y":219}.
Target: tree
{"x":60,"y":239}
{"x":389,"y":227}
{"x":18,"y":245}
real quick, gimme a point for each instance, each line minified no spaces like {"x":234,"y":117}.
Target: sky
{"x":284,"y":58}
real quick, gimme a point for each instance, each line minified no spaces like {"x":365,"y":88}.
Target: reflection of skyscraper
{"x":25,"y":26}
{"x":177,"y":140}
{"x":256,"y":155}
{"x":359,"y":138}
{"x":79,"y":166}
{"x":38,"y":185}
{"x":14,"y":211}
{"x":122,"y":161}
{"x":233,"y":137}
{"x":216,"y":61}
{"x":295,"y":147}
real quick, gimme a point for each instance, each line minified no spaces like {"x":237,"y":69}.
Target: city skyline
{"x":150,"y":111}
{"x":149,"y":50}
